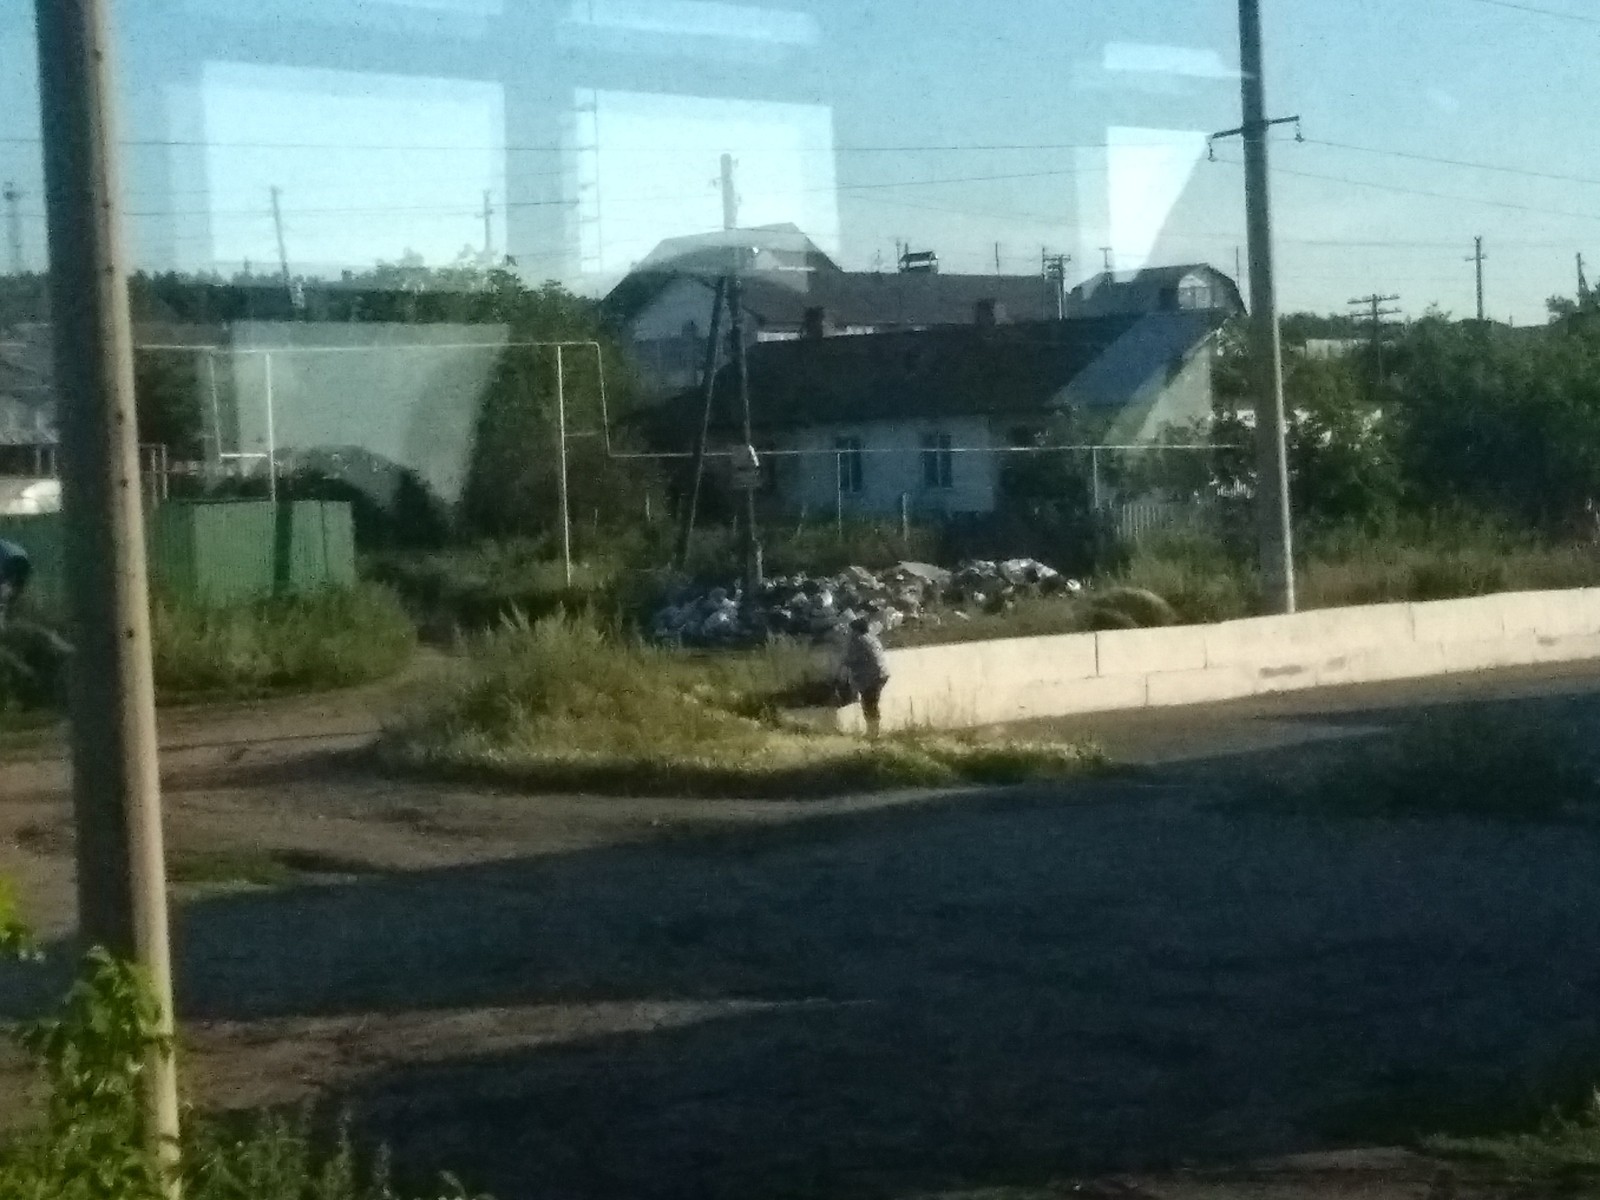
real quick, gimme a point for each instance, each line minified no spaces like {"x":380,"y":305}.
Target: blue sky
{"x":596,"y":127}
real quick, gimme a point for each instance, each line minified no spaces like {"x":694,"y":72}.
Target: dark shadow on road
{"x":1000,"y":988}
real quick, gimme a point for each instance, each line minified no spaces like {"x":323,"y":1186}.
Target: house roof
{"x":780,"y":251}
{"x":903,"y":298}
{"x":963,"y":370}
{"x":789,"y":275}
{"x":1144,"y":291}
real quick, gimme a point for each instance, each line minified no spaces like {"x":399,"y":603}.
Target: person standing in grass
{"x":866,"y":667}
{"x":15,"y":571}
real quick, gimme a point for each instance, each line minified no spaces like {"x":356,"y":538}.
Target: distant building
{"x":925,"y":417}
{"x":1193,"y":288}
{"x":793,"y":290}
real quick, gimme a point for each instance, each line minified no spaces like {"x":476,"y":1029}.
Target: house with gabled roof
{"x":924,"y":421}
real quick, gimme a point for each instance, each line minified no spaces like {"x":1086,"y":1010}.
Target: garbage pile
{"x":822,"y":607}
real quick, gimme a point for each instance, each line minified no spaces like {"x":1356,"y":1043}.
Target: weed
{"x":329,"y":639}
{"x":1564,"y":1145}
{"x":560,"y":704}
{"x":89,"y":1142}
{"x":253,"y":867}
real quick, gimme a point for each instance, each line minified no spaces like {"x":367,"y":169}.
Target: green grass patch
{"x":315,"y":642}
{"x":1563,"y":1146}
{"x":1467,"y":762}
{"x":256,"y":868}
{"x":560,"y":704}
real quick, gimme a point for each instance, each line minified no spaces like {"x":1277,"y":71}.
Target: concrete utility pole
{"x":741,"y":372}
{"x":488,"y":229}
{"x":1477,"y":258}
{"x":1583,"y":282}
{"x":1055,"y":270}
{"x":708,"y":385}
{"x":116,"y":782}
{"x":283,"y":247}
{"x":13,"y":198}
{"x":1276,"y":528}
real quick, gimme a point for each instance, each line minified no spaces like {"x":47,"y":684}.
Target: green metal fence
{"x":218,"y":553}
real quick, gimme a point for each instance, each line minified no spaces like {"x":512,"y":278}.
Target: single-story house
{"x":1189,"y":288}
{"x":927,"y":419}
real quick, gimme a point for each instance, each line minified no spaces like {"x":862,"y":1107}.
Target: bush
{"x":89,"y":1143}
{"x":476,"y":588}
{"x":32,"y":668}
{"x":1198,"y":576}
{"x":560,"y":704}
{"x":329,"y":639}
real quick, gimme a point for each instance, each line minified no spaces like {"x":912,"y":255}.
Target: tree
{"x":1342,"y":467}
{"x":1505,"y":421}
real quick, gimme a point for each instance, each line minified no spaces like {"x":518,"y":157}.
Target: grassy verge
{"x":561,"y":705}
{"x":202,"y":652}
{"x":1563,"y":1147}
{"x":306,"y":643}
{"x":1467,"y":762}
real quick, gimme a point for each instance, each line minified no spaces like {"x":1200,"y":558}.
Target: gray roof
{"x":1151,"y":290}
{"x":904,"y":299}
{"x":1020,"y":369}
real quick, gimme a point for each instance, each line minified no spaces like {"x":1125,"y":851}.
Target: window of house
{"x":938,"y":462}
{"x":848,"y":453}
{"x":1194,"y":295}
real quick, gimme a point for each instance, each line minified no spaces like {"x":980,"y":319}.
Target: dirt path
{"x":913,"y":995}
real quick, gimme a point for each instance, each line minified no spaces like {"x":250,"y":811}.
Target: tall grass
{"x":561,"y":704}
{"x":1432,"y":558}
{"x":316,"y":642}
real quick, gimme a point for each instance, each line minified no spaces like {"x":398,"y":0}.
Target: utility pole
{"x":1477,"y":258}
{"x":741,"y":373}
{"x":997,"y":258}
{"x":708,"y":386}
{"x":13,"y":198}
{"x":1106,"y":252}
{"x":1276,"y":527}
{"x":488,"y":229}
{"x":1055,"y":270}
{"x":283,"y":248}
{"x":1376,"y":315}
{"x":116,"y":781}
{"x":1583,"y":283}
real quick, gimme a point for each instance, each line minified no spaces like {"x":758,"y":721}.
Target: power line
{"x":1454,"y":162}
{"x":1406,"y":191}
{"x":1538,"y":11}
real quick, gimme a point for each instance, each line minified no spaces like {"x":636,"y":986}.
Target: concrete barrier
{"x":985,"y":683}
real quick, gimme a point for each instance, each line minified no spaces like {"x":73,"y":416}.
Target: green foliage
{"x":1506,"y":421}
{"x":32,"y":667}
{"x":89,"y":1140}
{"x":328,"y":639}
{"x":1563,"y":1146}
{"x":561,"y":704}
{"x":478,"y":587}
{"x":1200,"y":576}
{"x":167,"y":396}
{"x":1459,"y":763}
